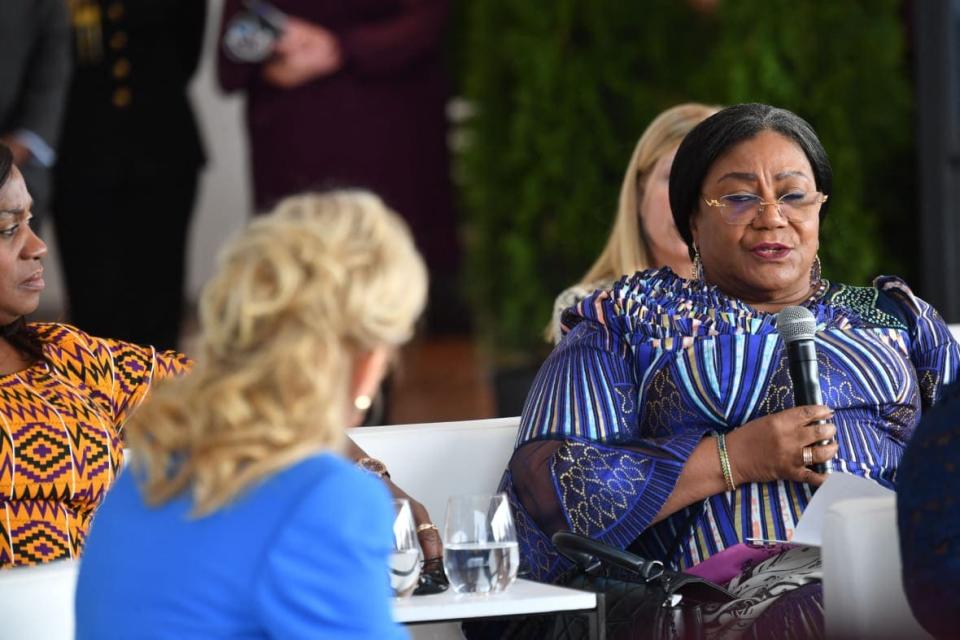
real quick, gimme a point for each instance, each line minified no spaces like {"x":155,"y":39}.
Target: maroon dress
{"x":377,"y":123}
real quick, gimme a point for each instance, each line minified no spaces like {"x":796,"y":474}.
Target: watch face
{"x":247,"y":39}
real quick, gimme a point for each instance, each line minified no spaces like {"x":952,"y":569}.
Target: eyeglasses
{"x":742,"y":208}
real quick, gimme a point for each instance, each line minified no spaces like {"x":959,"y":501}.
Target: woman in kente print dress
{"x":64,"y":397}
{"x":622,"y":433}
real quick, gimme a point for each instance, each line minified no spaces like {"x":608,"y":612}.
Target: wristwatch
{"x":374,"y":466}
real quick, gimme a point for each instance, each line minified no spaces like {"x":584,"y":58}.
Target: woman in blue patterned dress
{"x":622,"y":433}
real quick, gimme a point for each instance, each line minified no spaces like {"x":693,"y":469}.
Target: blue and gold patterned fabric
{"x":649,"y":367}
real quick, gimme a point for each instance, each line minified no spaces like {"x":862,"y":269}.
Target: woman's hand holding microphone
{"x":783,"y":446}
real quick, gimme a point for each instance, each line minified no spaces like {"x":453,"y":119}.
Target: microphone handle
{"x":805,"y":374}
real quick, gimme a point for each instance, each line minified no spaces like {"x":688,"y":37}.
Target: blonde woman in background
{"x":643,"y":234}
{"x":241,"y":517}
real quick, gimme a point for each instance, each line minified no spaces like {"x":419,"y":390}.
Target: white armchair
{"x":862,"y":586}
{"x":37,"y":602}
{"x":431,"y":462}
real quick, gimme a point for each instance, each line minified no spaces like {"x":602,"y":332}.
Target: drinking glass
{"x":405,"y":558}
{"x":480,"y":552}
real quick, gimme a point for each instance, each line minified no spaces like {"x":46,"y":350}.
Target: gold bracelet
{"x":725,"y":467}
{"x":426,"y":526}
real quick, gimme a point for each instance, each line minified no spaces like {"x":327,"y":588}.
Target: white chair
{"x":431,"y":462}
{"x":862,"y":586}
{"x":37,"y":602}
{"x":862,"y":580}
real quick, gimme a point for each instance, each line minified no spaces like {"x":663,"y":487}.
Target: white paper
{"x":838,"y":486}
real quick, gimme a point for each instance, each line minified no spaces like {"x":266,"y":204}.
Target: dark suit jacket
{"x":34,"y":72}
{"x":128,"y":113}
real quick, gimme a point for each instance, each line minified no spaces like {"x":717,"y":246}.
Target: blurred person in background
{"x":65,"y":398}
{"x":240,"y":517}
{"x":643,"y":233}
{"x":929,"y":518}
{"x":353,"y":94}
{"x":126,"y":179}
{"x":664,"y":422}
{"x":34,"y":75}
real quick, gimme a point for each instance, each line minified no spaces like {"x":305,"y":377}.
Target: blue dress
{"x":651,"y":366}
{"x":301,"y":555}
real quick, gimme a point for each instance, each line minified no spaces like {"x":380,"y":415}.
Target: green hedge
{"x":563,"y":89}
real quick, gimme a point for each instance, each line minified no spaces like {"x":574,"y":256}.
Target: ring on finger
{"x":807,"y":456}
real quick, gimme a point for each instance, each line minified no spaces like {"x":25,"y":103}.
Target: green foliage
{"x":563,"y":89}
{"x":841,"y":66}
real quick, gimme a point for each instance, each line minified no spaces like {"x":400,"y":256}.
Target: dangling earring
{"x":815,"y":273}
{"x":697,"y":270}
{"x":362,"y":403}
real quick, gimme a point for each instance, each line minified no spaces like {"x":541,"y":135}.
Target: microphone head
{"x":796,"y":323}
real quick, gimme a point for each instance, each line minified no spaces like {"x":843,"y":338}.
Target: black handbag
{"x":641,"y":599}
{"x":637,"y":599}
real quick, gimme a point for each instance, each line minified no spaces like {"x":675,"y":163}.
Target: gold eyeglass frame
{"x":715,"y":203}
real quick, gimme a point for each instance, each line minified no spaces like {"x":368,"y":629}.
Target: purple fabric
{"x":378,"y":123}
{"x":722,"y":567}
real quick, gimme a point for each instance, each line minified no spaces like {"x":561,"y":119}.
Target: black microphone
{"x":797,"y":327}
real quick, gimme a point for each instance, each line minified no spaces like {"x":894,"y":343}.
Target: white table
{"x":523,"y":597}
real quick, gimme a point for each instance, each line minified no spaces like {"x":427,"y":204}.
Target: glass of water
{"x":480,"y":552}
{"x":405,"y":558}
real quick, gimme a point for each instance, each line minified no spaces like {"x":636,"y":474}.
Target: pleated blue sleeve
{"x":933,"y":350}
{"x":608,"y":476}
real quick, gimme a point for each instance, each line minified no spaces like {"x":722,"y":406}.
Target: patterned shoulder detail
{"x":72,"y":356}
{"x":929,"y":332}
{"x":576,"y":293}
{"x":659,"y":305}
{"x":865,"y":303}
{"x":118,"y":373}
{"x":53,"y":332}
{"x":905,"y":300}
{"x":71,"y":351}
{"x":568,"y":298}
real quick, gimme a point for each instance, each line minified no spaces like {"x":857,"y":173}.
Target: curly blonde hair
{"x":296,"y":297}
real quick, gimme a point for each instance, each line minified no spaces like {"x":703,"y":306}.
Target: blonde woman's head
{"x":643,"y":233}
{"x":303,"y":306}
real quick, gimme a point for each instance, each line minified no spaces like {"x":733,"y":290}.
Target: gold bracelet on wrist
{"x":725,"y":467}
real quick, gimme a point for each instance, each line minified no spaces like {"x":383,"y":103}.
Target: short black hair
{"x":6,"y":163}
{"x":724,"y":129}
